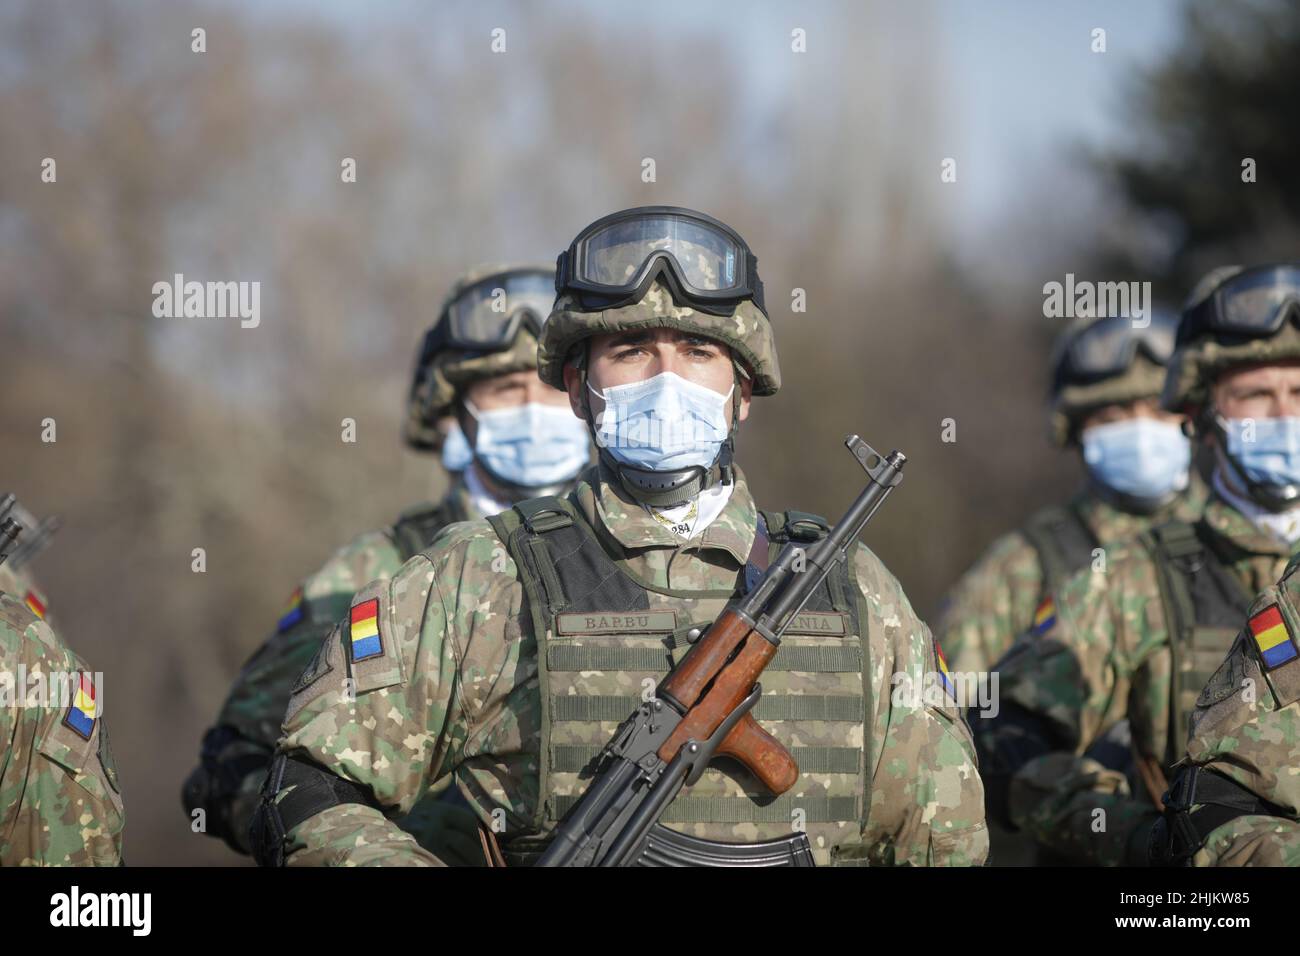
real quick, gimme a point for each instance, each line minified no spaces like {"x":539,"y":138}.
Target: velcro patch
{"x":35,"y":603}
{"x":944,"y":676}
{"x":293,"y":612}
{"x":826,"y":623}
{"x":82,"y":712}
{"x":616,"y":622}
{"x":1273,"y":638}
{"x":363,"y":629}
{"x":1045,"y":616}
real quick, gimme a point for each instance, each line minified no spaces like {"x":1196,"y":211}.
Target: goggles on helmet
{"x":1108,"y":347}
{"x":1251,"y":304}
{"x":703,"y":261}
{"x":487,"y":315}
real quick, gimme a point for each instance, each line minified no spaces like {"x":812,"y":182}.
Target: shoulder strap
{"x":1197,"y":590}
{"x":1064,"y":544}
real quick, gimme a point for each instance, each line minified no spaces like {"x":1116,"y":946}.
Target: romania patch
{"x":81,"y":715}
{"x":365,"y":631}
{"x":1272,"y":637}
{"x":293,"y":612}
{"x":944,"y":675}
{"x":1045,"y":616}
{"x":35,"y":604}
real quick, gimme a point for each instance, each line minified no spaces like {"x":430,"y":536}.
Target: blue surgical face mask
{"x":456,"y":453}
{"x":663,"y":424}
{"x":531,"y":445}
{"x":1267,"y":450}
{"x":1140,"y":457}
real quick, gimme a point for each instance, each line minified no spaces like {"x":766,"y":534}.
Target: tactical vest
{"x":1063,"y":542}
{"x":606,"y":638}
{"x":417,"y":527}
{"x":1205,"y":606}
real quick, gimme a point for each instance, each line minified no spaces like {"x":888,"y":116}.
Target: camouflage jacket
{"x":456,"y":691}
{"x":238,"y":749}
{"x":60,"y":803}
{"x":1246,"y":726}
{"x":995,"y":600}
{"x":1100,"y":654}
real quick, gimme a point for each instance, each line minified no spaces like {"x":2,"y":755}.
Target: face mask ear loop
{"x":727,"y":454}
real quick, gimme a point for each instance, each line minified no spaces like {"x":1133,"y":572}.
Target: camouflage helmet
{"x":442,"y":372}
{"x":1128,"y":366}
{"x":675,"y":279}
{"x":1202,"y":354}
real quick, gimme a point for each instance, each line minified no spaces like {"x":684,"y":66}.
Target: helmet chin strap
{"x":1270,"y":497}
{"x":668,"y":489}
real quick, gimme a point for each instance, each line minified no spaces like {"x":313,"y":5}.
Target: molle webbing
{"x":591,"y":679}
{"x":1205,"y":606}
{"x":415,"y":529}
{"x":1063,"y":542}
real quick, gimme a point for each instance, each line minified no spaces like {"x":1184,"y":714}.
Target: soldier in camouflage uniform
{"x":506,"y":654}
{"x":60,"y":802}
{"x":1234,"y":802}
{"x":532,"y":460}
{"x":1106,"y":382}
{"x":1139,"y":636}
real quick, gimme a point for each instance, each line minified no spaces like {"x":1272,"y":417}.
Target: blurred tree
{"x":1226,"y":95}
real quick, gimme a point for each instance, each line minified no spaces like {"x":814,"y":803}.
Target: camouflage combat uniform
{"x":1119,"y":643}
{"x":1246,"y":727}
{"x":467,"y":686}
{"x":996,"y":599}
{"x":237,"y":750}
{"x":60,"y":803}
{"x":248,"y":726}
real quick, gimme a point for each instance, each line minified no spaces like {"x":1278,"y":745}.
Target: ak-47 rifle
{"x":9,"y":528}
{"x":702,"y":709}
{"x":35,"y":542}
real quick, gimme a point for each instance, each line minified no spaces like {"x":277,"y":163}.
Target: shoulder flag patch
{"x":81,"y":714}
{"x":35,"y":604}
{"x":365,"y":631}
{"x":1273,"y":638}
{"x":944,"y":674}
{"x":292,"y":612}
{"x":1045,"y":616}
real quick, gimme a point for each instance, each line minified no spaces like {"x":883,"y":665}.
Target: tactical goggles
{"x":1252,"y":304}
{"x":1108,"y":347}
{"x":486,"y":316}
{"x":702,"y":260}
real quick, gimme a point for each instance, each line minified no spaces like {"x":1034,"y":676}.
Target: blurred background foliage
{"x":175,"y":434}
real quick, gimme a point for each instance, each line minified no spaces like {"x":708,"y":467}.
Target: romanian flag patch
{"x":1272,"y":637}
{"x":944,"y":675}
{"x":1045,"y":616}
{"x":292,"y":612}
{"x":365,"y":631}
{"x":81,"y":715}
{"x":35,"y":604}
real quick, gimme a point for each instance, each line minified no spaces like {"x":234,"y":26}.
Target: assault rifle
{"x":702,"y":710}
{"x":9,"y":528}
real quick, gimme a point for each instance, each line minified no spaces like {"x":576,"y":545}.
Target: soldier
{"x":506,"y":654}
{"x":1235,"y":800}
{"x":1139,"y":636}
{"x":1106,"y":380}
{"x":477,"y":367}
{"x":60,"y":802}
